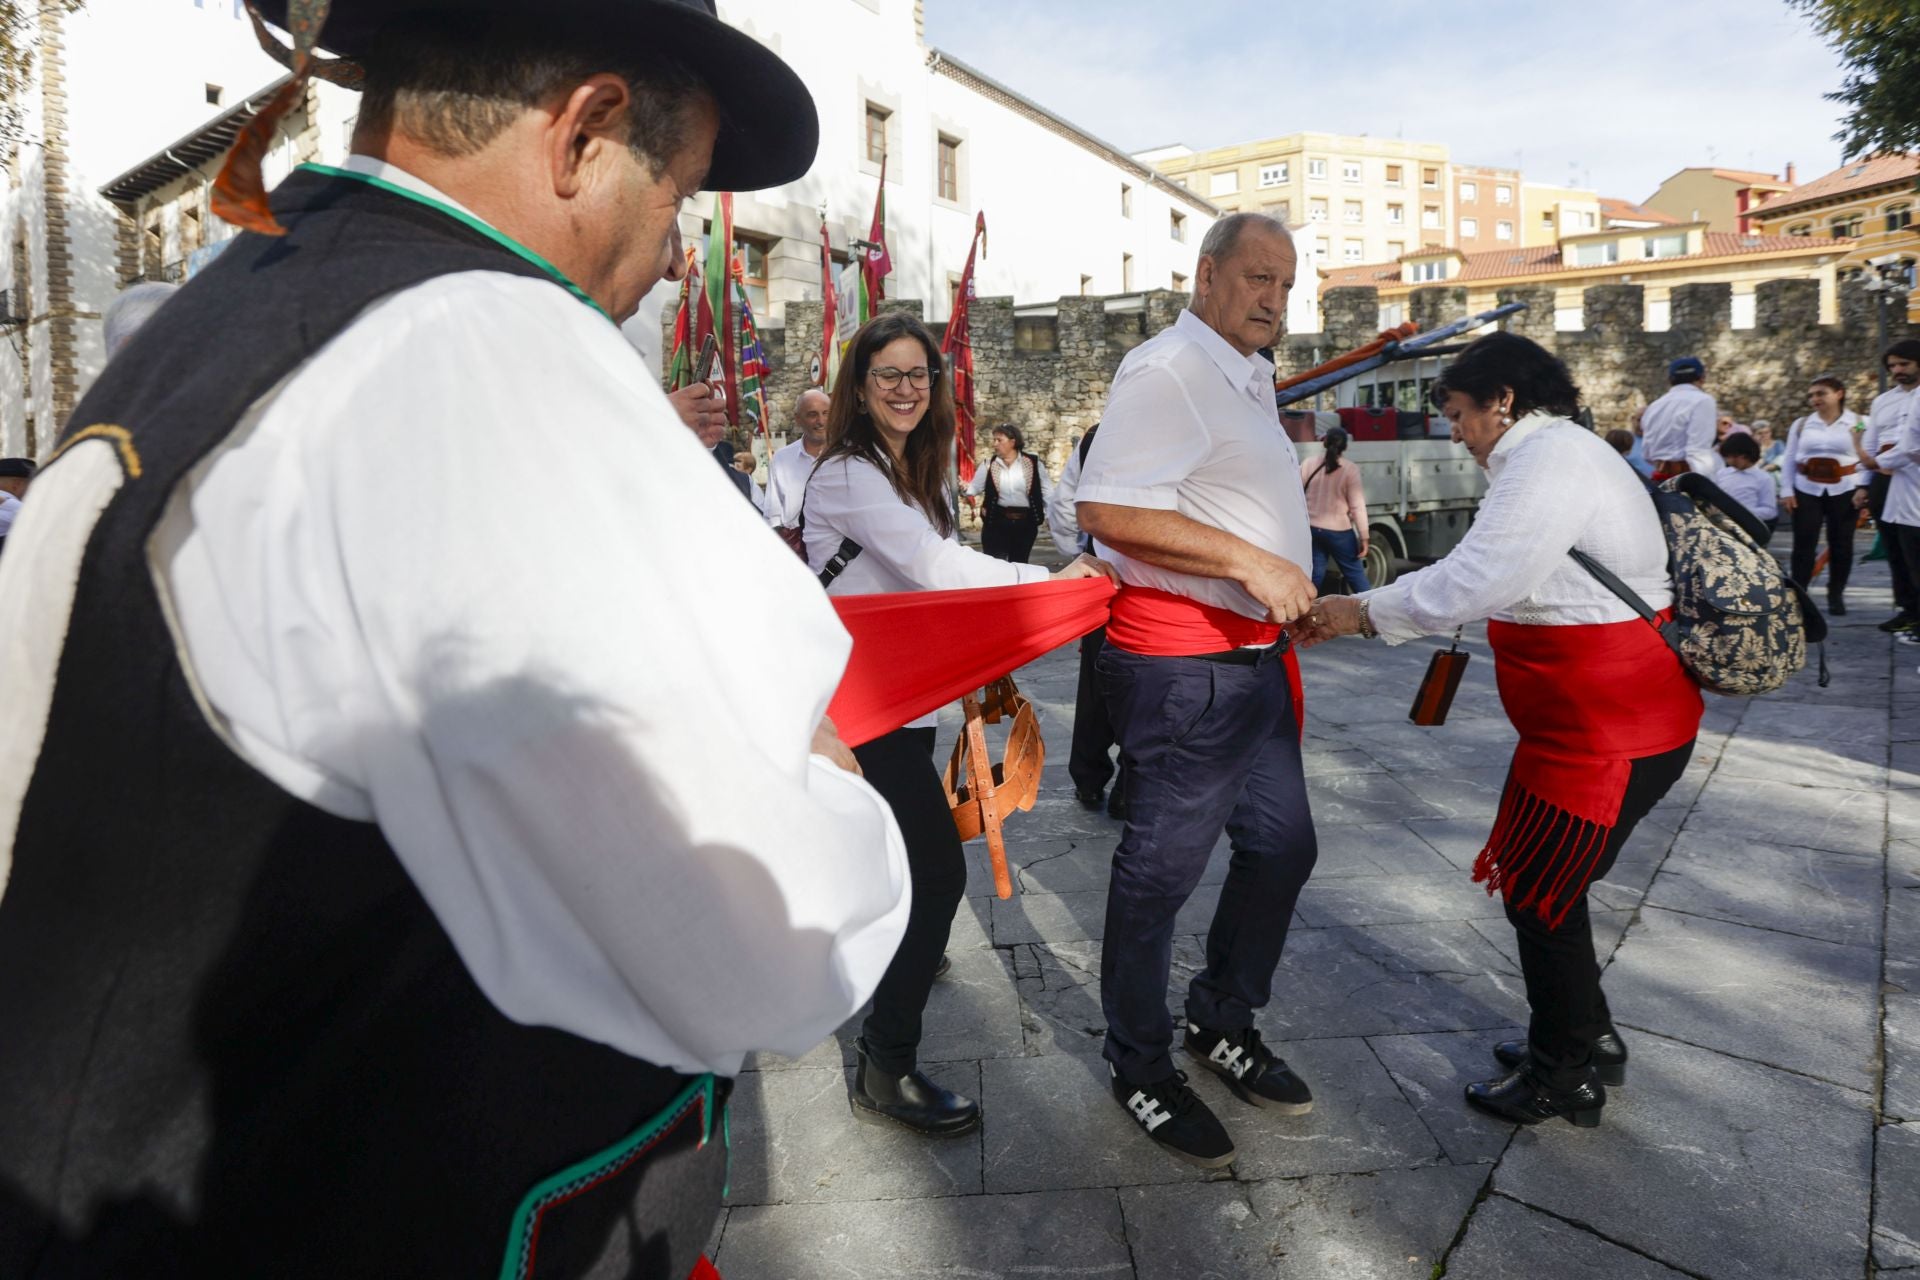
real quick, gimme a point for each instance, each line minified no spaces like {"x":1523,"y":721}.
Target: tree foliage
{"x":19,"y":41}
{"x":1879,"y":41}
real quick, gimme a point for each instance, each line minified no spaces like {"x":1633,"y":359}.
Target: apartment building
{"x":1486,"y":208}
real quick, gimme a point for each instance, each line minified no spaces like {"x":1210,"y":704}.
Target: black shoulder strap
{"x":1316,"y":472}
{"x":845,"y":554}
{"x":1086,"y":443}
{"x":1605,"y":576}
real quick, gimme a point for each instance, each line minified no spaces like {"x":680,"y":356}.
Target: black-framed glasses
{"x":888,"y":378}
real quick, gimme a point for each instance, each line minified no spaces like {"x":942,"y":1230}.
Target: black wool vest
{"x":234,"y":1040}
{"x":1033,"y":487}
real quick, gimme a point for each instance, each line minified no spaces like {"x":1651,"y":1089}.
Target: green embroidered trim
{"x":466,"y":220}
{"x":599,"y":1165}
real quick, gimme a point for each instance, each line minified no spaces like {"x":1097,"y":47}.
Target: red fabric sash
{"x":916,"y":651}
{"x":1160,"y":624}
{"x":1588,"y":701}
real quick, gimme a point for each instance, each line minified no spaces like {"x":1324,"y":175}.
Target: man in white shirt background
{"x":1193,"y":490}
{"x":1677,"y":430}
{"x":1879,"y":456}
{"x":425,"y":878}
{"x":788,"y":469}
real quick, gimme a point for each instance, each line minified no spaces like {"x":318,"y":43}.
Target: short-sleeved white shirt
{"x":1192,"y":426}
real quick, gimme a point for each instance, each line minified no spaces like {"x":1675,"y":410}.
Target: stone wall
{"x":1761,"y":372}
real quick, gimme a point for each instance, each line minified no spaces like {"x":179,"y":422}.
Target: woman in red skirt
{"x":1607,"y":716}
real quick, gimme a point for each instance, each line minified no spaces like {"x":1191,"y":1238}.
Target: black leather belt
{"x":1249,"y":657}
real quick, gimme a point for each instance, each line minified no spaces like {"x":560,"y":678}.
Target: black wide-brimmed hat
{"x":769,"y":130}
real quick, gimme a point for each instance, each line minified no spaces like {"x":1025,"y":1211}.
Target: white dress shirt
{"x":540,"y":701}
{"x":900,"y":550}
{"x":1554,"y":486}
{"x":1012,"y":482}
{"x":1812,"y":438}
{"x":1898,"y":453}
{"x":1063,"y":519}
{"x":1753,"y":489}
{"x":787,"y":473}
{"x":1681,"y":425}
{"x":9,"y":508}
{"x":1191,"y":426}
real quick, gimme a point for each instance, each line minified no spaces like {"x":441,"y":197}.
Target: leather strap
{"x":845,"y":554}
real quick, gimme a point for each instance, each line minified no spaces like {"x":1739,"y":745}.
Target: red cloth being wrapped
{"x":1588,"y":701}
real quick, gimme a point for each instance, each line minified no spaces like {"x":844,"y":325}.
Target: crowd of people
{"x":428,"y":925}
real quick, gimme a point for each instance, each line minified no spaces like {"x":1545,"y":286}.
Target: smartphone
{"x":709,"y":352}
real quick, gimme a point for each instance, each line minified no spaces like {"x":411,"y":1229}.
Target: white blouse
{"x":900,"y":548}
{"x":1812,"y":438}
{"x":1555,"y":486}
{"x":1012,"y":482}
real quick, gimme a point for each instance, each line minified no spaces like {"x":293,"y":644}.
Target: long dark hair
{"x":1334,"y":445}
{"x":921,"y":477}
{"x":1508,"y":362}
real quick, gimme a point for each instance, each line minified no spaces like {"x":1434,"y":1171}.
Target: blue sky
{"x":1617,"y":95}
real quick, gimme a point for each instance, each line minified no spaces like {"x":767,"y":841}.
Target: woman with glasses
{"x":879,"y":517}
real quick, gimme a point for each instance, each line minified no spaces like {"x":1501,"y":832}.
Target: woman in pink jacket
{"x":1337,"y":512}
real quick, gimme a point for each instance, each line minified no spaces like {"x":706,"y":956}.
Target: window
{"x":1323,"y":248}
{"x":1670,"y":246}
{"x":1396,"y":215}
{"x":1178,"y":226}
{"x":1350,"y":171}
{"x":1800,"y":229}
{"x":1546,"y":217}
{"x":1430,"y":217}
{"x":214,"y":94}
{"x":1273,"y":175}
{"x":1469,"y":228}
{"x":753,"y":258}
{"x":949,"y":168}
{"x":1503,"y":194}
{"x":1470,"y":191}
{"x":1353,"y":251}
{"x":1224,"y":184}
{"x":1393,"y":176}
{"x":1430,"y":176}
{"x":1590,"y":220}
{"x":1396,"y":249}
{"x":1433,"y":269}
{"x":1317,"y":169}
{"x":1126,"y":273}
{"x":1503,"y":230}
{"x":1352,"y":213}
{"x":1179,"y":283}
{"x":1846,"y":224}
{"x":1603,"y":254}
{"x":877,"y":133}
{"x":1899,"y":217}
{"x":1281,"y":209}
{"x":1126,"y":201}
{"x":191,"y":225}
{"x":1316,"y":210}
{"x":1086,"y":284}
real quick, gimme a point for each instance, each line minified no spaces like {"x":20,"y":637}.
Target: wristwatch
{"x":1366,"y":620}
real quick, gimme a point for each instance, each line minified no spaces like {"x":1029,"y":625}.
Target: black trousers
{"x":1902,"y":542}
{"x":1206,"y":746}
{"x":900,"y":768}
{"x":1007,"y":533}
{"x":1090,"y":762}
{"x":1837,"y":514}
{"x":1561,"y":971}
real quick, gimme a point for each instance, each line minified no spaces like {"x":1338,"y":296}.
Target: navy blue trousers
{"x":1206,"y":746}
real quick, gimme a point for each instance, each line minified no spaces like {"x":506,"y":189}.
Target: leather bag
{"x":982,"y":793}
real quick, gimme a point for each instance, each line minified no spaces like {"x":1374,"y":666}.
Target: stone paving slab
{"x":1777,"y":998}
{"x":1835,"y":896}
{"x":1834,"y":818}
{"x":1076,"y":1233}
{"x":1896,"y":1199}
{"x":1719,"y":1167}
{"x":1344,"y":982}
{"x":1363,"y":798}
{"x":1901,"y":1097}
{"x":1433,"y":1069}
{"x":1396,"y":1223}
{"x":1508,"y":1241}
{"x":1447,"y":895}
{"x":1850,"y":764}
{"x":1375,"y":850}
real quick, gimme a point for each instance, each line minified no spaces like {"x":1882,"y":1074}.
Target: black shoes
{"x":943,"y":968}
{"x":1172,"y":1115}
{"x":1898,"y":622}
{"x":1522,"y":1099}
{"x":1609,"y":1060}
{"x":1117,"y":805}
{"x":1254,"y":1072}
{"x":1089,"y":799}
{"x":911,"y":1101}
{"x":1836,"y":607}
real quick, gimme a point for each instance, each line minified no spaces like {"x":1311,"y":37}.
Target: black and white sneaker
{"x":1254,"y":1072}
{"x":1173,"y":1116}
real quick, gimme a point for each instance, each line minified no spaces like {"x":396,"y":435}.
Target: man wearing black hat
{"x":15,"y":475}
{"x":1893,"y":492}
{"x":1677,"y":430}
{"x":377,"y":900}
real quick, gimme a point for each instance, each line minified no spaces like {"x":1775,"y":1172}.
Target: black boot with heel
{"x":911,"y":1101}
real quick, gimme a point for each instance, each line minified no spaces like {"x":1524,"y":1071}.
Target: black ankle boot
{"x":1836,"y":607}
{"x":1522,"y":1099}
{"x":911,"y":1101}
{"x":1609,"y":1060}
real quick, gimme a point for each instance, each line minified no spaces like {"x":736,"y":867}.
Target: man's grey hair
{"x":134,"y":307}
{"x":800,"y":401}
{"x":1223,"y":237}
{"x":456,"y":89}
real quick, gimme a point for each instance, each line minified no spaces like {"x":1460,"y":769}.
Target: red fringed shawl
{"x":1588,"y":701}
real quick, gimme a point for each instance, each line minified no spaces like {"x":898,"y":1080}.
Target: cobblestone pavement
{"x":1762,"y":937}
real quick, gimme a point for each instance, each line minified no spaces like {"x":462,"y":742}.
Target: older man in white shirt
{"x":788,"y":469}
{"x":376,"y":906}
{"x":1677,"y":430}
{"x":1879,"y":454}
{"x":1193,"y":490}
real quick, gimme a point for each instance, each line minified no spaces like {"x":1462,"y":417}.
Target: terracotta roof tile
{"x":1545,"y":260}
{"x":1631,"y":212}
{"x":1749,"y":175}
{"x":1854,"y":177}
